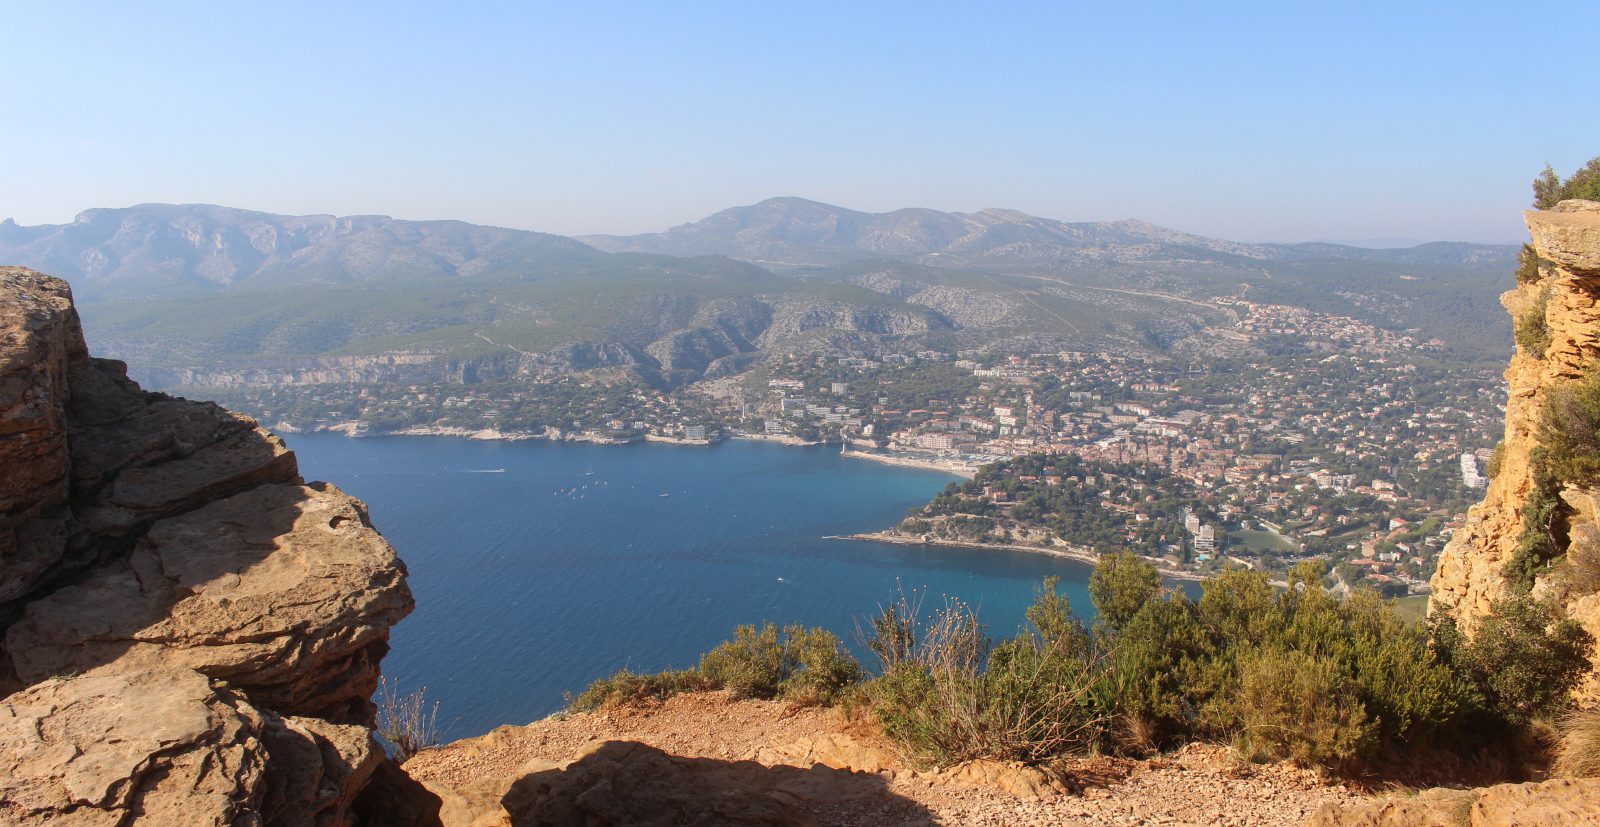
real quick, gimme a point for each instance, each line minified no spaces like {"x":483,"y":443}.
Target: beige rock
{"x":192,"y":635}
{"x":285,"y":591}
{"x":109,"y":747}
{"x":838,"y":750}
{"x":1562,"y":801}
{"x":1013,"y":777}
{"x":1568,"y":235}
{"x":315,"y":770}
{"x":1558,"y":803}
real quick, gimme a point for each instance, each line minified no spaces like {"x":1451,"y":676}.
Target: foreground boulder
{"x":191,"y":633}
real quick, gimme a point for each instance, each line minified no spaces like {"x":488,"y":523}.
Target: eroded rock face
{"x":39,"y":338}
{"x":1471,"y":573}
{"x":191,"y":634}
{"x":284,"y":591}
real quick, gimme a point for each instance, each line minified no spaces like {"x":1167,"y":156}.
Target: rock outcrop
{"x":1472,"y":570}
{"x":1561,"y":801}
{"x":191,"y":633}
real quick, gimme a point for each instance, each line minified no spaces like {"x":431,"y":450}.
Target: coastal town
{"x":1318,"y":437}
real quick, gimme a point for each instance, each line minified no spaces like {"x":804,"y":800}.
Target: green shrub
{"x":627,"y":688}
{"x":1179,"y":668}
{"x":1533,"y":328}
{"x":1528,"y":265}
{"x":1491,"y":469}
{"x":1294,"y":706}
{"x":1549,"y":190}
{"x":948,"y":698}
{"x":1543,"y":520}
{"x":751,"y":665}
{"x":819,"y":670}
{"x":1156,"y":668}
{"x":1569,"y":432}
{"x":804,"y":666}
{"x":1523,"y":661}
{"x":1119,"y":585}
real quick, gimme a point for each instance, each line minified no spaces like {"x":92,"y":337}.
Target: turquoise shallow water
{"x":540,"y":566}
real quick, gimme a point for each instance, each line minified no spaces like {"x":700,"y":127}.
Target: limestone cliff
{"x":191,"y":633}
{"x":1472,"y":569}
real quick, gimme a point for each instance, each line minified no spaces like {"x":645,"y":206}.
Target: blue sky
{"x":1240,"y":120}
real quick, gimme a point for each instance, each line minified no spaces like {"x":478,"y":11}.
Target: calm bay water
{"x":540,"y":566}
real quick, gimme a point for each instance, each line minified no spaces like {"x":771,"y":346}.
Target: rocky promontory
{"x":191,"y":632}
{"x":1560,"y":305}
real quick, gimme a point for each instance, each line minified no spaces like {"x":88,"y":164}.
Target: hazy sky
{"x":1271,"y":121}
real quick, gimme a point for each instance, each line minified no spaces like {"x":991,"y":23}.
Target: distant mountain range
{"x":203,"y":291}
{"x":797,"y":231}
{"x":176,"y":248}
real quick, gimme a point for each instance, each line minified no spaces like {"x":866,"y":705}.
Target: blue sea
{"x":540,"y":566}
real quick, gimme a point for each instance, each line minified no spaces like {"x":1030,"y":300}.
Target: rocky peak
{"x":1472,"y":569}
{"x":191,"y":632}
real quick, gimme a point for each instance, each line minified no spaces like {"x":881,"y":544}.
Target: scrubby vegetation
{"x":407,"y":723}
{"x":804,"y":666}
{"x":1568,"y":454}
{"x":1579,"y":753}
{"x":1533,"y":329}
{"x":949,"y":697}
{"x":1290,"y":673}
{"x":1528,"y":266}
{"x":1549,"y":189}
{"x":1491,"y":469}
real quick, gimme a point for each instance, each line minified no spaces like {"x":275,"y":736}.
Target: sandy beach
{"x":947,"y":466}
{"x":1080,"y":554}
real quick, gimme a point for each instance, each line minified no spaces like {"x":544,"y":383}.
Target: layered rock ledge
{"x":191,"y":632}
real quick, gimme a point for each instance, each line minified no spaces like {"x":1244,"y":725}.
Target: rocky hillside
{"x":1563,"y":302}
{"x":798,"y":231}
{"x":191,"y":632}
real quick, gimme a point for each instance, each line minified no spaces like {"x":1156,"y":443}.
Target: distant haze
{"x":1255,"y":122}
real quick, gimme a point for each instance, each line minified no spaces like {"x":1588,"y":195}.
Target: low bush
{"x":1528,"y":266}
{"x":1491,"y":469}
{"x":628,"y":688}
{"x":1543,"y":527}
{"x":1580,"y":568}
{"x":1183,"y":669}
{"x":947,"y":696}
{"x":1294,"y":706}
{"x":1569,"y":432}
{"x":1532,"y":330}
{"x":804,"y":666}
{"x":1523,"y":660}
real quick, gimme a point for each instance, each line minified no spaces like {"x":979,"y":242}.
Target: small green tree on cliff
{"x":1549,"y":189}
